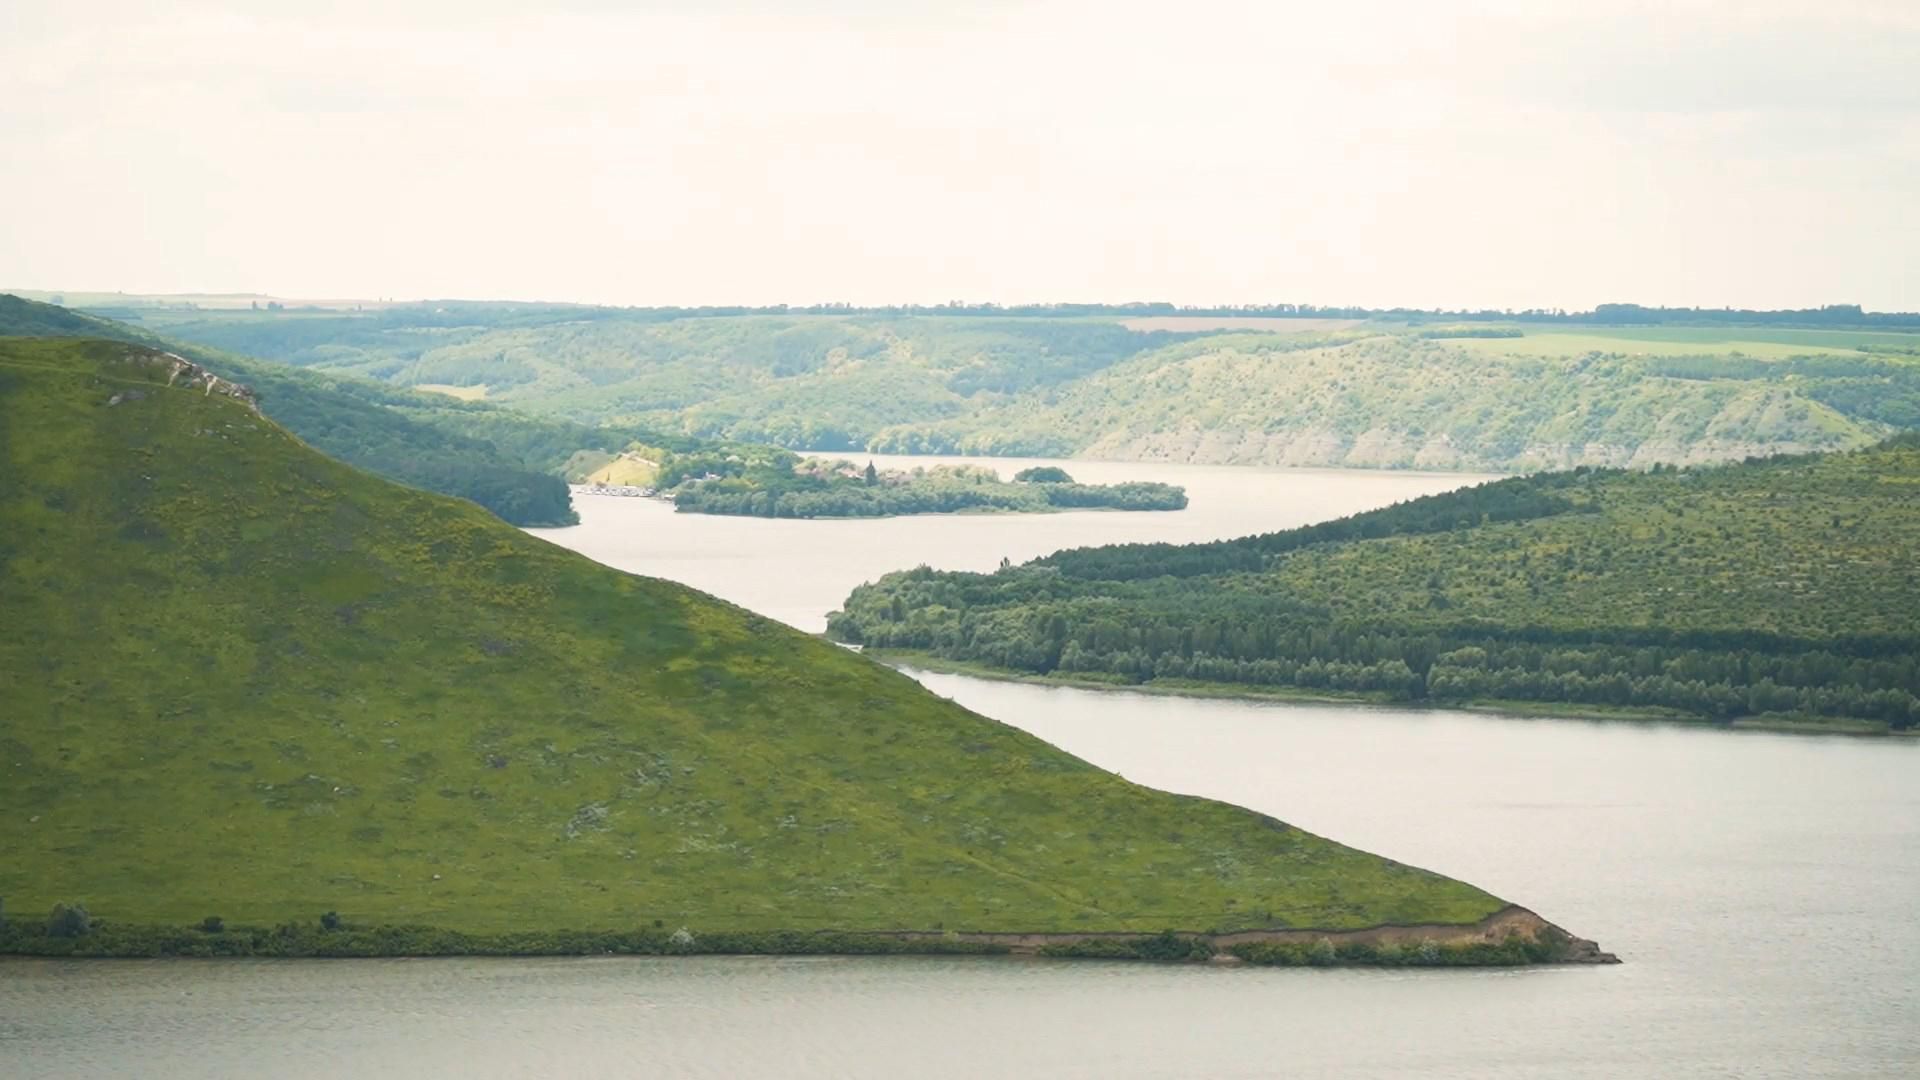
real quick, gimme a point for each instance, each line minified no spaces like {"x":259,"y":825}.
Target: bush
{"x":212,"y":924}
{"x":1164,"y":946}
{"x":69,"y":921}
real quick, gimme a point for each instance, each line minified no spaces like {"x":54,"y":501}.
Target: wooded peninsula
{"x":1781,"y":590}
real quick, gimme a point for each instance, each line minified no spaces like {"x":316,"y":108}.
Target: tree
{"x":873,"y":475}
{"x":69,"y":921}
{"x":1042,"y":474}
{"x":330,"y":921}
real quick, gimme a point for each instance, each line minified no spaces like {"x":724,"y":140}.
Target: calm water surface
{"x":797,"y":571}
{"x":1761,"y":887}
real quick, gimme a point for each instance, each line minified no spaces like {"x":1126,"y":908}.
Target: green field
{"x":245,"y":680}
{"x":1765,"y":343}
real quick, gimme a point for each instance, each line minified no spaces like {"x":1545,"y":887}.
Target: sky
{"x":1755,"y":153}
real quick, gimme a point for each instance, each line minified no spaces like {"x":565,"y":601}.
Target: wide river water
{"x":1761,"y":888}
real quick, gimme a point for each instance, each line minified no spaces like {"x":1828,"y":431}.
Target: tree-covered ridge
{"x":768,"y":482}
{"x":1783,"y":586}
{"x":1402,"y":400}
{"x":247,"y":681}
{"x":1623,"y":386}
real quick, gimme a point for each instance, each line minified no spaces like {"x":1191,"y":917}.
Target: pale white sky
{"x":1545,"y":153}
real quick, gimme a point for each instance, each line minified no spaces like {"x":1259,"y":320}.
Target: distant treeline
{"x":73,"y":933}
{"x":458,"y":313}
{"x":66,"y":935}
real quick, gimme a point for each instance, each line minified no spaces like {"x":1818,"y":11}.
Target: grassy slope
{"x":245,"y":679}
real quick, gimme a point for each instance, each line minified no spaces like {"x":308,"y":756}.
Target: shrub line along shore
{"x":1509,"y":937}
{"x":913,"y":659}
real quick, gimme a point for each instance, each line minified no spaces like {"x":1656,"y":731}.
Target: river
{"x":797,"y":571}
{"x":1760,"y":887}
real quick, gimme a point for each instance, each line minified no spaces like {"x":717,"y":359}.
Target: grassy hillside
{"x":246,"y":680}
{"x":1787,"y":587}
{"x":1383,"y":392}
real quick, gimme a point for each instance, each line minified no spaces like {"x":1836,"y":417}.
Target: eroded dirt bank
{"x":1502,"y":926}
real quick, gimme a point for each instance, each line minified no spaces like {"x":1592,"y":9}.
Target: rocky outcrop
{"x":184,"y":374}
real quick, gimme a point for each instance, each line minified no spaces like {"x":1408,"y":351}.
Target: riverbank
{"x":1512,"y":936}
{"x":914,"y":659}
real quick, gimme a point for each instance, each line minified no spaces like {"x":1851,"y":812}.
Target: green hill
{"x":1378,"y":392}
{"x":1785,"y":588}
{"x":245,"y":680}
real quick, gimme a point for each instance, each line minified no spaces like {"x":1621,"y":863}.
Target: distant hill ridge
{"x":1289,"y":385}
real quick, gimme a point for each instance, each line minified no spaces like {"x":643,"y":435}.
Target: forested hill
{"x":1290,"y":386}
{"x":249,"y":682}
{"x":1788,"y":586}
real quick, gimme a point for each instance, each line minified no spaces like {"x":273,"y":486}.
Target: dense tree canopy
{"x":767,"y":482}
{"x":1783,"y":586}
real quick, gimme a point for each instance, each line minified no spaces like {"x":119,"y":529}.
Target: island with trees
{"x":766,"y":481}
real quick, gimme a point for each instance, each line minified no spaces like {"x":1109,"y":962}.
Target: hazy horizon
{"x":1381,"y":154}
{"x":69,"y":298}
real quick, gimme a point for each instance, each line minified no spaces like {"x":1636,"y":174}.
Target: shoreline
{"x":970,"y":511}
{"x":910,"y":659}
{"x":1510,"y":937}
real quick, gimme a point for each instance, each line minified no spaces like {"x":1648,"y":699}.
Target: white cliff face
{"x":184,"y":373}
